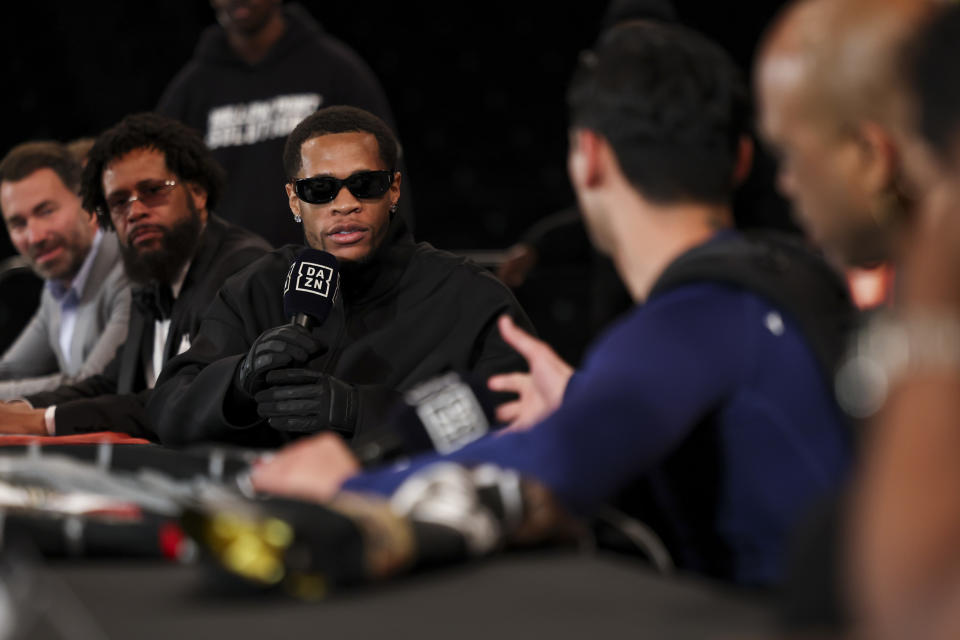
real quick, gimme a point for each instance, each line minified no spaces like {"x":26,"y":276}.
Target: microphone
{"x":311,"y":288}
{"x":441,"y":414}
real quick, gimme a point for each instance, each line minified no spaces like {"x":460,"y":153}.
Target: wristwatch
{"x":893,"y":347}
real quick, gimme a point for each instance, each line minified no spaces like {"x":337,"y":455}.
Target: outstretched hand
{"x":541,"y":390}
{"x":309,"y":469}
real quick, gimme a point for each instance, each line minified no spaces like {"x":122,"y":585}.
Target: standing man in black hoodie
{"x":253,"y":77}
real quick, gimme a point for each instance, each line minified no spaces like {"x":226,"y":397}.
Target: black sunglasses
{"x":363,"y":184}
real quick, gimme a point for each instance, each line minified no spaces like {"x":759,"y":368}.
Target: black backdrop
{"x":477,"y":89}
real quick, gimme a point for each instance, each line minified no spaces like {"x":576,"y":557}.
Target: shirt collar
{"x":177,"y":283}
{"x":79,"y":282}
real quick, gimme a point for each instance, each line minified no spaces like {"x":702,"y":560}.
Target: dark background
{"x":476,"y":89}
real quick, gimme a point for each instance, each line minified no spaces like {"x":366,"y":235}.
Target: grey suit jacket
{"x":35,"y":362}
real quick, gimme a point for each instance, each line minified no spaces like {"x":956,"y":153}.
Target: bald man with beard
{"x":833,"y":102}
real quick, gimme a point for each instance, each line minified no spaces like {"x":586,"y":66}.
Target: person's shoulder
{"x":238,"y":238}
{"x":463,"y":281}
{"x":305,"y":36}
{"x":701,"y":296}
{"x":213,"y":49}
{"x":692,"y":310}
{"x":117,"y":279}
{"x":230,"y":241}
{"x":447,"y":264}
{"x":226,"y":250}
{"x":257,"y":281}
{"x":774,"y":265}
{"x":703,"y":318}
{"x":211,"y":53}
{"x":183,"y":81}
{"x":109,"y":272}
{"x":266,"y":266}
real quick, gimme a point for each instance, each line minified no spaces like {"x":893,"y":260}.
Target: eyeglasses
{"x":363,"y":184}
{"x":152,"y":193}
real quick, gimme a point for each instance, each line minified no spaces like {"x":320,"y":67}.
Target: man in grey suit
{"x":85,"y":306}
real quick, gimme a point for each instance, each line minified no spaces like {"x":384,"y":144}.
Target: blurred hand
{"x":309,"y":469}
{"x":541,"y":390}
{"x":20,"y":418}
{"x":277,"y":348}
{"x":521,"y":258}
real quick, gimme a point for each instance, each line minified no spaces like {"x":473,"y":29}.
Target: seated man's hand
{"x":282,"y":347}
{"x":307,"y":401}
{"x":541,"y":390}
{"x":20,"y":418}
{"x":309,"y":469}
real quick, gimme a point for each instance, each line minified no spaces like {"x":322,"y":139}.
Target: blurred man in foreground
{"x":906,"y":520}
{"x":834,"y":103}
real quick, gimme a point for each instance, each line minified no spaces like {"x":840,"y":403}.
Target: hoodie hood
{"x":214,"y":46}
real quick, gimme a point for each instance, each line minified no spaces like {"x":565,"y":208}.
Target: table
{"x":545,"y":593}
{"x":553,"y":594}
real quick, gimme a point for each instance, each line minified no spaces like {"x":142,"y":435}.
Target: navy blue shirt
{"x":700,"y":358}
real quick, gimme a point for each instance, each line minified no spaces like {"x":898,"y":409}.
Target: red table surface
{"x":85,"y":438}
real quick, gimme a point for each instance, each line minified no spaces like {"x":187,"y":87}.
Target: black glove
{"x":308,"y":401}
{"x":277,"y":348}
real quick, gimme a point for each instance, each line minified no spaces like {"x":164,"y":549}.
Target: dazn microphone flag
{"x":440,"y":414}
{"x":311,"y":287}
{"x":451,"y":411}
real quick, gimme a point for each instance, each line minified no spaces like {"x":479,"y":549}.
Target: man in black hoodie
{"x":253,"y":77}
{"x":406,"y":313}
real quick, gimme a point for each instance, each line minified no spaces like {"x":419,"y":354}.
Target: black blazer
{"x":116,"y":399}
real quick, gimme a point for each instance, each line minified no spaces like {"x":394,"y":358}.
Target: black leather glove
{"x":308,"y":401}
{"x":278,"y":348}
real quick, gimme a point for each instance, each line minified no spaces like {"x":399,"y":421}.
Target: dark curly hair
{"x":672,"y":105}
{"x":183,"y":149}
{"x":338,"y":119}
